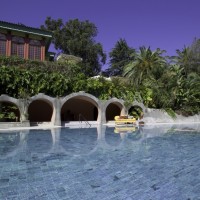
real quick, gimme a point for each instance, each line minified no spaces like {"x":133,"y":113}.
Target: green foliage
{"x":77,"y":38}
{"x":174,"y":87}
{"x":146,"y":65}
{"x":189,"y":58}
{"x":170,"y":112}
{"x":11,"y":61}
{"x":136,"y":111}
{"x":104,"y":89}
{"x":32,"y":78}
{"x":8,"y":112}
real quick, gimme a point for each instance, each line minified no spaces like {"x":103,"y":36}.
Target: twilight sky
{"x":164,"y":24}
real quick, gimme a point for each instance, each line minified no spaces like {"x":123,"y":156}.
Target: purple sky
{"x":164,"y":24}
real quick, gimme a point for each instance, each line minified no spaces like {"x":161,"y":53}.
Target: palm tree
{"x":183,"y":59}
{"x":147,"y":64}
{"x":189,"y":58}
{"x":120,"y":56}
{"x":191,"y":94}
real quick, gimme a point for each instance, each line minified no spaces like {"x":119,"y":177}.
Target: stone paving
{"x":73,"y":164}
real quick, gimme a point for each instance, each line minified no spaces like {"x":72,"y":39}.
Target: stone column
{"x":23,"y":107}
{"x":57,"y":112}
{"x":101,"y":115}
{"x":124,"y":111}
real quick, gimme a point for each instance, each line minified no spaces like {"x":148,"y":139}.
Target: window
{"x":2,"y":44}
{"x":34,"y":50}
{"x":17,"y":46}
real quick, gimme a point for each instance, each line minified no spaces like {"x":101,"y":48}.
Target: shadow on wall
{"x":75,"y":108}
{"x":40,"y":111}
{"x":112,"y":110}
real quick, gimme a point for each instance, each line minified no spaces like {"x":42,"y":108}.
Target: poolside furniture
{"x":125,"y":129}
{"x":120,"y":120}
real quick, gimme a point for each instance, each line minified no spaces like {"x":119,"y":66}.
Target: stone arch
{"x":113,"y":107}
{"x":139,"y":109}
{"x":80,"y":104}
{"x":141,"y":105}
{"x":6,"y":100}
{"x":41,"y":108}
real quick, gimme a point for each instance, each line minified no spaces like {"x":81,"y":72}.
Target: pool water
{"x":102,"y":163}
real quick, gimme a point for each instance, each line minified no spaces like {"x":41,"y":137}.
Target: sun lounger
{"x":125,"y":120}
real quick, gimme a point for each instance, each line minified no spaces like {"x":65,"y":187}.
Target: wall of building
{"x":26,"y":45}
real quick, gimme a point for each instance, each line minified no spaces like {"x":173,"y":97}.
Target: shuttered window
{"x":17,"y":46}
{"x":2,"y":44}
{"x":35,"y":50}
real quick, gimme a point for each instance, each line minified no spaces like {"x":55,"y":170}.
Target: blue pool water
{"x":148,"y":163}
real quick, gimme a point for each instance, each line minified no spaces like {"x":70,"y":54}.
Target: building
{"x":23,"y":41}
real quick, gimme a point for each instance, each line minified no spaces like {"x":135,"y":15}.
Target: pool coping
{"x":85,"y":126}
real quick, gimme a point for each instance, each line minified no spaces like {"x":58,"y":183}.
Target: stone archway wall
{"x":58,"y":102}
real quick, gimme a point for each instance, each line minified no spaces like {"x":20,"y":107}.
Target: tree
{"x":147,"y":64}
{"x":120,"y":56}
{"x":195,"y":56}
{"x":189,"y":58}
{"x":77,"y":38}
{"x":183,"y":59}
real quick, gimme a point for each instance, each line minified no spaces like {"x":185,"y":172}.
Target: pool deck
{"x":77,"y":124}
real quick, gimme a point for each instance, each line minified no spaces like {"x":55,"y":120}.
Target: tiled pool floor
{"x":94,"y":164}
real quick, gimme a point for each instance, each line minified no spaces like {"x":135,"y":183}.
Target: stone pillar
{"x":23,"y":107}
{"x":101,"y":115}
{"x":124,"y":111}
{"x":101,"y":129}
{"x":57,"y":112}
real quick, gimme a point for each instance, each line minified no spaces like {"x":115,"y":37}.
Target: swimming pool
{"x":151,"y":162}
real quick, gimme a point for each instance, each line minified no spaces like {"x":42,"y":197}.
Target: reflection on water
{"x":156,"y":162}
{"x":9,"y":142}
{"x":78,"y":142}
{"x":39,"y":141}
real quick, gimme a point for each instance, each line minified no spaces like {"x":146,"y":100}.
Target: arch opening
{"x":112,"y":110}
{"x":9,"y":112}
{"x":79,"y":108}
{"x":40,"y":111}
{"x":136,"y":111}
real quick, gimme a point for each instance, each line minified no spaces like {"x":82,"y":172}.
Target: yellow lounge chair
{"x":124,"y":120}
{"x":125,"y":129}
